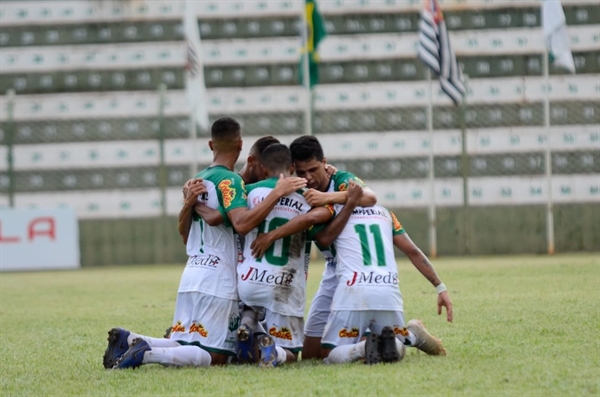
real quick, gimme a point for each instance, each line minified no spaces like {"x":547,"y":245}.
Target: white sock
{"x":401,"y":349}
{"x":249,"y":317}
{"x":181,"y":356}
{"x":411,"y":339}
{"x":153,"y":342}
{"x":281,"y":355}
{"x":346,"y":353}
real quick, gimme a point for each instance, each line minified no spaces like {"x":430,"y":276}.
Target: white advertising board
{"x":38,"y":239}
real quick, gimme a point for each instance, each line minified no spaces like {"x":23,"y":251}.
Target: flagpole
{"x":431,"y":173}
{"x":548,"y":156}
{"x":193,"y":143}
{"x":306,"y":75}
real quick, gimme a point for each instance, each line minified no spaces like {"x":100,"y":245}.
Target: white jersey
{"x":277,"y":281}
{"x":212,"y":250}
{"x":366,"y":265}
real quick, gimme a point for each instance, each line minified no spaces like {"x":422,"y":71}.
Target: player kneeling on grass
{"x":277,"y":280}
{"x":367,"y":294}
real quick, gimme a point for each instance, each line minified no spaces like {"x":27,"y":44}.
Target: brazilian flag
{"x":316,"y":32}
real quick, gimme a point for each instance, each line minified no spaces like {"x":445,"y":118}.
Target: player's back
{"x":212,"y":250}
{"x":366,"y":264}
{"x":277,"y":280}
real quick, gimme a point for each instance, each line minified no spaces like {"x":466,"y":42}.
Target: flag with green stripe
{"x":316,"y":32}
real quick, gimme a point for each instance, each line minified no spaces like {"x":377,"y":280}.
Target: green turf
{"x":524,"y":326}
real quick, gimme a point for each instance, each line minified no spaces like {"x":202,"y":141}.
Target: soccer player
{"x":367,"y":293}
{"x":251,"y":173}
{"x":277,"y":280}
{"x":310,"y":163}
{"x":206,"y":310}
{"x":308,"y":158}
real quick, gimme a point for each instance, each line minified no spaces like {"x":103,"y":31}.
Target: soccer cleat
{"x":134,"y":356}
{"x":387,"y":345}
{"x":245,"y":344}
{"x":425,"y":341}
{"x":268,"y":353}
{"x":117,"y":346}
{"x":372,"y":355}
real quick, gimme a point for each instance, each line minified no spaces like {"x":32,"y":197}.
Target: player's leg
{"x":141,"y":353}
{"x":207,"y":321}
{"x":120,"y":339}
{"x":318,"y":313}
{"x":420,"y":338}
{"x":342,"y":338}
{"x":246,"y":335}
{"x":283,"y":340}
{"x":389,"y":325}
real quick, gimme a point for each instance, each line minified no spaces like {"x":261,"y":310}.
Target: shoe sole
{"x":372,"y":355}
{"x":387,"y":346}
{"x":113,"y":340}
{"x":266,"y":342}
{"x":243,"y":335}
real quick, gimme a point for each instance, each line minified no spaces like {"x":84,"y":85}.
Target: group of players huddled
{"x":241,"y":298}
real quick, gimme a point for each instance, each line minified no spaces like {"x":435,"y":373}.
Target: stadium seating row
{"x":231,"y":28}
{"x":354,"y":147}
{"x":352,"y":97}
{"x":140,"y":203}
{"x":69,"y":12}
{"x":279,"y":50}
{"x":100,"y":80}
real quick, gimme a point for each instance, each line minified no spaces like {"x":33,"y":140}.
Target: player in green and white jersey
{"x":206,"y":312}
{"x":367,"y":294}
{"x":277,"y":281}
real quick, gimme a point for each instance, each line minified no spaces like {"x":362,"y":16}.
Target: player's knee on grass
{"x":311,"y":348}
{"x":218,"y":359}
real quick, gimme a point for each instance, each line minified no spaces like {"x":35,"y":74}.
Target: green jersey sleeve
{"x":341,"y":180}
{"x":231,"y":193}
{"x":396,"y":225}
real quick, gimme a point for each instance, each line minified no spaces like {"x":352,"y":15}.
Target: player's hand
{"x":192,"y":189}
{"x":444,"y":300}
{"x":260,"y":245}
{"x":330,"y":170}
{"x":354,"y":193}
{"x":315,"y":198}
{"x":288,"y":185}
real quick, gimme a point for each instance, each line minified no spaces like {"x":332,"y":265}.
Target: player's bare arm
{"x":191,"y":190}
{"x":316,"y":198}
{"x":300,"y":223}
{"x":244,"y":220}
{"x":423,"y":265}
{"x":210,"y":215}
{"x":326,"y":236}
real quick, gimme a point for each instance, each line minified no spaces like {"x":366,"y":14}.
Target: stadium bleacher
{"x":86,"y":129}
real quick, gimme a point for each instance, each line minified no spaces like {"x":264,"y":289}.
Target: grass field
{"x":523,"y":326}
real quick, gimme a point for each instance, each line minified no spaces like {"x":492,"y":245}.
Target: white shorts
{"x":285,"y":330}
{"x":346,"y":327}
{"x":207,"y":321}
{"x":320,"y":306}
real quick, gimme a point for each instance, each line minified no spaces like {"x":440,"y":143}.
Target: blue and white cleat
{"x":134,"y":356}
{"x":268,"y":353}
{"x":117,"y":346}
{"x":245,"y":345}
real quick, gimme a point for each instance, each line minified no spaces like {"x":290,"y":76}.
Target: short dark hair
{"x":277,"y":157}
{"x":305,"y":148}
{"x":261,"y":144}
{"x":225,"y":128}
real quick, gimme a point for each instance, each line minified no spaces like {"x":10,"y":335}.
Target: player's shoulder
{"x":268,"y":183}
{"x":341,"y":180}
{"x":220,"y":174}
